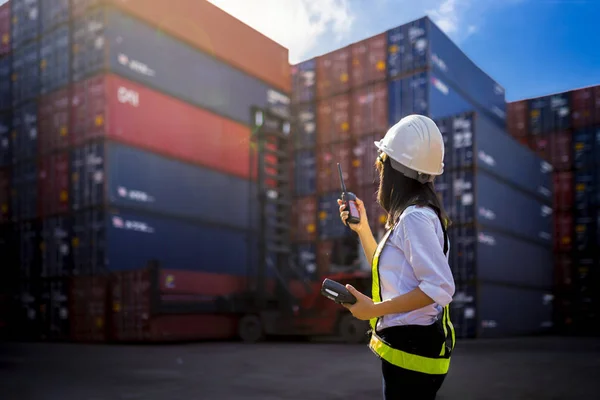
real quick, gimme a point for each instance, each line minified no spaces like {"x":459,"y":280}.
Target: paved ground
{"x":546,"y":368}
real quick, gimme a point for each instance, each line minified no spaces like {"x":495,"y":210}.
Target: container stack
{"x":564,"y":128}
{"x":497,"y":193}
{"x":125,"y":141}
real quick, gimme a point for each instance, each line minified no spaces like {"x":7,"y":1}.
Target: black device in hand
{"x":337,"y":292}
{"x":349,"y":200}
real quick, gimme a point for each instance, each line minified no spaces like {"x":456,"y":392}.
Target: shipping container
{"x":330,"y":225}
{"x":306,"y":127}
{"x":304,"y":78}
{"x":563,"y":231}
{"x":333,"y":119}
{"x":549,"y":114}
{"x":6,"y":156}
{"x":53,"y":184}
{"x":54,"y":309}
{"x":55,"y":50}
{"x":586,"y":107}
{"x":328,"y":156}
{"x":463,"y":310}
{"x":5,"y":188}
{"x":53,"y":13}
{"x":88,"y":306}
{"x":5,"y":83}
{"x":585,"y":192}
{"x":27,"y":322}
{"x":25,"y":17}
{"x":305,"y":219}
{"x":476,"y":142}
{"x":563,"y":272}
{"x":306,"y":255}
{"x":369,"y":107}
{"x":28,"y":239}
{"x":210,"y":29}
{"x":25,"y":73}
{"x":597,"y":105}
{"x":110,"y":106}
{"x":53,"y":122}
{"x":55,"y":246}
{"x":563,"y":191}
{"x":494,"y":257}
{"x":479,"y":198}
{"x":368,"y":60}
{"x":89,"y":243}
{"x":364,"y":156}
{"x":305,"y":173}
{"x":180,"y":71}
{"x":541,"y":146}
{"x":517,"y":118}
{"x":585,"y":276}
{"x":585,"y":236}
{"x":5,"y":28}
{"x":408,"y":48}
{"x":24,"y":134}
{"x":333,"y":73}
{"x":586,"y":148}
{"x":561,"y":151}
{"x":24,"y":191}
{"x":338,"y":255}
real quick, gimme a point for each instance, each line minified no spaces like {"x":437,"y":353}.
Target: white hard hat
{"x":415,"y":147}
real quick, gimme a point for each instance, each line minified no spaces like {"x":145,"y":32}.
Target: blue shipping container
{"x":108,"y":39}
{"x":304,"y":81}
{"x":305,"y":173}
{"x":5,"y":83}
{"x":54,"y":60}
{"x":479,"y":198}
{"x":25,"y":73}
{"x":28,"y":234}
{"x":87,"y":176}
{"x":89,"y":242}
{"x":474,"y":141}
{"x":24,"y":132}
{"x":25,"y":26}
{"x":585,"y":193}
{"x":55,"y":246}
{"x":24,"y":191}
{"x":305,"y":133}
{"x":329,"y":224}
{"x":306,"y":255}
{"x":586,"y":148}
{"x":408,"y":48}
{"x":54,"y":13}
{"x":585,"y":239}
{"x":549,"y":114}
{"x":5,"y":140}
{"x":499,"y":258}
{"x":462,"y":310}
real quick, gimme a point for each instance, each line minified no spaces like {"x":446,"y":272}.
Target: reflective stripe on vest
{"x":399,"y":358}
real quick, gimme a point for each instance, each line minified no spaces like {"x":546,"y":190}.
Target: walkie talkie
{"x":349,"y":200}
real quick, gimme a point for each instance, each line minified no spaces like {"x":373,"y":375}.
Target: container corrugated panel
{"x":215,"y":32}
{"x":54,"y":13}
{"x":55,"y":53}
{"x":306,"y":129}
{"x":53,"y":121}
{"x":333,"y":119}
{"x":24,"y":132}
{"x":585,"y":234}
{"x":24,"y":191}
{"x":305,"y":173}
{"x":87,"y":176}
{"x":444,"y":100}
{"x":550,"y":114}
{"x":408,"y":48}
{"x":517,"y":118}
{"x":563,"y":271}
{"x":561,"y":154}
{"x":140,"y":180}
{"x":563,"y":231}
{"x":328,"y":177}
{"x":478,"y":197}
{"x":25,"y":73}
{"x":129,"y":299}
{"x":370,"y":110}
{"x":364,"y":155}
{"x":25,"y":16}
{"x":175,"y":284}
{"x":5,"y":28}
{"x":585,"y":192}
{"x":582,"y":103}
{"x":6,"y":155}
{"x":444,"y":188}
{"x":451,"y":65}
{"x":368,"y":60}
{"x":538,"y":114}
{"x":408,"y":96}
{"x":55,"y":246}
{"x":540,"y":146}
{"x":88,"y":298}
{"x":89,"y":243}
{"x":5,"y":83}
{"x":333,"y":73}
{"x":463,"y":308}
{"x":53,"y":184}
{"x":338,"y":255}
{"x":585,"y":143}
{"x":54,"y":310}
{"x":328,"y":215}
{"x":305,"y":218}
{"x":181,"y":71}
{"x":307,"y":260}
{"x":304,"y":81}
{"x":563,"y":190}
{"x":128,"y":112}
{"x":5,"y":188}
{"x":28,"y":237}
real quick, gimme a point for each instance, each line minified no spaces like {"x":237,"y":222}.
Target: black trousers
{"x":426,"y":341}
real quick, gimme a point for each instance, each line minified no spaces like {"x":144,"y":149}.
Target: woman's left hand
{"x":364,"y":308}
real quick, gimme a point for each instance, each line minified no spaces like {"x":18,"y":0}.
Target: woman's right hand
{"x":364,"y":221}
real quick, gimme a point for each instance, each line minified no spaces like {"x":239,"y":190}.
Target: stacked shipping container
{"x":346,"y":99}
{"x":565,"y":128}
{"x":121,"y":147}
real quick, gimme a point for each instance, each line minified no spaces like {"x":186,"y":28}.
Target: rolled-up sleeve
{"x":425,"y":254}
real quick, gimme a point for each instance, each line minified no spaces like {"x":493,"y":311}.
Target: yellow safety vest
{"x":399,"y":358}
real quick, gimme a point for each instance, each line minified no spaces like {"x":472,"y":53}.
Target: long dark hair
{"x":397,"y":192}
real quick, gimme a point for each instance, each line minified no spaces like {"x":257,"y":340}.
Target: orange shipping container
{"x":327,"y":174}
{"x":304,"y":225}
{"x":333,"y":73}
{"x":212,"y":30}
{"x":370,"y":110}
{"x":333,"y":120}
{"x":368,"y":60}
{"x":517,"y":119}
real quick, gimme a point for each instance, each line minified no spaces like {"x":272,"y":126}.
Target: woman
{"x":412,"y":281}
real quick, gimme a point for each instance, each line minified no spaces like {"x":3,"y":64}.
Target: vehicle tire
{"x":250,"y":329}
{"x":352,"y":330}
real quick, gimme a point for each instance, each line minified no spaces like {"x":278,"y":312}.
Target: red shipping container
{"x":53,"y":185}
{"x":541,"y":146}
{"x":333,"y":73}
{"x":5,"y":28}
{"x":370,"y":110}
{"x":561,"y":151}
{"x":305,"y":219}
{"x":333,"y":120}
{"x":88,"y":308}
{"x":363,"y":163}
{"x":582,"y":106}
{"x":563,"y":190}
{"x":517,"y":119}
{"x":136,"y":115}
{"x":368,"y":60}
{"x":524,"y":141}
{"x":327,"y":174}
{"x":563,"y":271}
{"x":4,"y":195}
{"x":563,"y":231}
{"x":212,"y":30}
{"x":176,"y":282}
{"x":53,"y":121}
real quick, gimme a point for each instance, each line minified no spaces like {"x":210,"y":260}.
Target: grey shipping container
{"x":54,"y":60}
{"x":474,"y":141}
{"x":25,"y":21}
